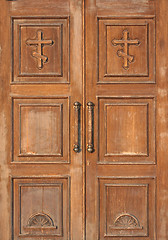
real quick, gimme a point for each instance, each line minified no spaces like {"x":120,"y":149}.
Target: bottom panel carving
{"x":126,"y":208}
{"x":41,"y":208}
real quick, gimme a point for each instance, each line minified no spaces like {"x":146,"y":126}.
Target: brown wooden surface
{"x":83,"y":119}
{"x":41,"y":77}
{"x":126,"y":193}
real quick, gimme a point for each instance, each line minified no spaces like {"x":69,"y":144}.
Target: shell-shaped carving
{"x":126,"y":221}
{"x":40,"y":220}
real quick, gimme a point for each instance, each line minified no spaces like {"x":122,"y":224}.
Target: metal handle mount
{"x":76,"y":106}
{"x":90,"y":145}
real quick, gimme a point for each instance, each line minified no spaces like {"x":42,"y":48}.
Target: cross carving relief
{"x":125,"y":42}
{"x":39,"y":43}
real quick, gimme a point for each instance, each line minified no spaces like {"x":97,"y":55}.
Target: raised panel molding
{"x":41,"y":207}
{"x":126,"y":50}
{"x":39,"y":129}
{"x":126,"y":130}
{"x":40,"y":50}
{"x":119,"y":215}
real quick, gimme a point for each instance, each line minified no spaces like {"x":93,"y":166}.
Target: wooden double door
{"x":83,"y":120}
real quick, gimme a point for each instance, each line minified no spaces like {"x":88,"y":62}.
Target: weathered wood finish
{"x":41,"y":77}
{"x":83,"y":119}
{"x":126,"y":193}
{"x":40,"y":43}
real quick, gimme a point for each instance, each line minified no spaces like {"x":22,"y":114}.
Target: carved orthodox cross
{"x":40,"y":42}
{"x":124,"y":53}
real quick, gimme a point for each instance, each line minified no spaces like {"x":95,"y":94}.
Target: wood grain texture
{"x":112,"y":53}
{"x":162,"y":118}
{"x":110,"y":60}
{"x":40,"y":127}
{"x":48,"y":210}
{"x":119,"y":215}
{"x":129,"y":7}
{"x":126,"y":130}
{"x":40,"y":78}
{"x":126,"y":49}
{"x":40,"y":49}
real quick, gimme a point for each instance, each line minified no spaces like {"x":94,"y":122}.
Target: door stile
{"x":5,"y":141}
{"x":77,"y":95}
{"x":162,"y":119}
{"x":90,"y":75}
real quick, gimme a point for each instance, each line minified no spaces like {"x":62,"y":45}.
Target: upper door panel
{"x":126,"y":49}
{"x":40,"y":49}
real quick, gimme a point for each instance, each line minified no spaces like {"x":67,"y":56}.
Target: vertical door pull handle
{"x":90,"y":144}
{"x":77,"y":106}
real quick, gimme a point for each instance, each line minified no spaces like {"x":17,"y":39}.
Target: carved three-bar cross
{"x":124,"y":53}
{"x":39,"y":42}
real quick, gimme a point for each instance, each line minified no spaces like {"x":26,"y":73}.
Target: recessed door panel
{"x":40,"y":50}
{"x":41,"y":130}
{"x":126,"y":130}
{"x":126,"y":50}
{"x":119,"y":214}
{"x":41,"y":208}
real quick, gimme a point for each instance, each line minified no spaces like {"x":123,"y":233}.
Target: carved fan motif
{"x":40,"y":220}
{"x":126,"y":221}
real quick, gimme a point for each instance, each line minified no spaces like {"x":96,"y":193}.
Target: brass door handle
{"x":77,"y":106}
{"x":90,"y":144}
